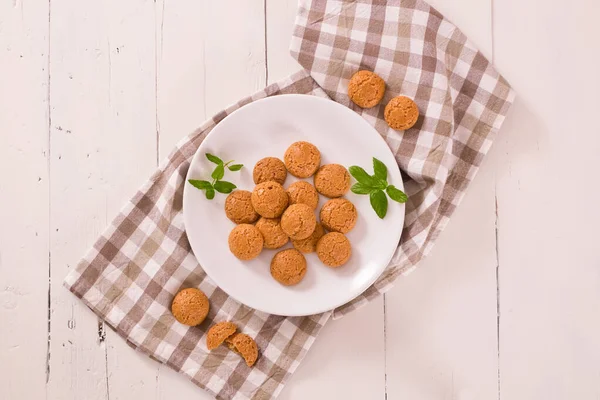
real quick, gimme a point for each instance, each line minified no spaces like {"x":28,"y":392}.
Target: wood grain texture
{"x":99,"y":93}
{"x":24,"y":185}
{"x":103,"y":146}
{"x":547,"y":170}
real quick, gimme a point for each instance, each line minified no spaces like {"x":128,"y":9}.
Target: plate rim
{"x":188,"y":187}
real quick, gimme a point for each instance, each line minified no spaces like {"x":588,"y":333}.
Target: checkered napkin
{"x":131,"y":274}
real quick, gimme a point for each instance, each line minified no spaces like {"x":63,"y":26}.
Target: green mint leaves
{"x":376,"y":186}
{"x":217,"y":185}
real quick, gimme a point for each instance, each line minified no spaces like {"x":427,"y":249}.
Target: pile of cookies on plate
{"x":270,"y":216}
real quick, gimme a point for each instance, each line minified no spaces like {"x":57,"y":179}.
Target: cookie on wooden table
{"x":302,"y":159}
{"x":366,"y":89}
{"x":332,"y":180}
{"x":269,"y":169}
{"x":238,"y":207}
{"x":334,"y":249}
{"x":190,"y":306}
{"x":245,"y":242}
{"x":401,"y":113}
{"x":288,"y":267}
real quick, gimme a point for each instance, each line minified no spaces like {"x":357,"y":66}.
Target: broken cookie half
{"x":240,"y":343}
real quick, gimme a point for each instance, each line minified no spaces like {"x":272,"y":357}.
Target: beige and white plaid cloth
{"x":143,"y":258}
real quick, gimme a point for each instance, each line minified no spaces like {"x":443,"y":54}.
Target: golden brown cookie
{"x":332,"y":180}
{"x":298,"y":221}
{"x":269,"y":199}
{"x":302,"y":159}
{"x":245,"y":242}
{"x":238,"y":207}
{"x":269,"y":169}
{"x":309,"y":244}
{"x":334,"y":249}
{"x":338,"y":215}
{"x":366,"y":89}
{"x":273,"y":235}
{"x":401,"y":113}
{"x":190,"y":306}
{"x":217,"y":333}
{"x":288,"y":267}
{"x":245,"y":346}
{"x":302,"y":192}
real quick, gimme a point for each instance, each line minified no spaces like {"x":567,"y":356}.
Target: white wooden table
{"x":94,"y":93}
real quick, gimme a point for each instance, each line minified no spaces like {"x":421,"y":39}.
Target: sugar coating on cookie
{"x":338,"y":215}
{"x":270,"y":228}
{"x":190,"y":306}
{"x":217,"y":333}
{"x":332,"y":180}
{"x":334,"y":249}
{"x":238,"y":207}
{"x":366,"y":89}
{"x":309,"y":245}
{"x":401,"y":113}
{"x":302,"y":192}
{"x":245,"y":242}
{"x":288,"y":267}
{"x":245,"y":346}
{"x":298,"y":221}
{"x":269,"y":199}
{"x":302,"y":159}
{"x":269,"y":169}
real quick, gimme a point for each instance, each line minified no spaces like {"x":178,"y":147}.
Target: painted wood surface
{"x":95,"y":94}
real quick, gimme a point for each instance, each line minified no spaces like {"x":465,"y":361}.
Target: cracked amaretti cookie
{"x":298,"y":221}
{"x":288,"y":267}
{"x":245,"y":242}
{"x":338,"y":215}
{"x":334,"y":249}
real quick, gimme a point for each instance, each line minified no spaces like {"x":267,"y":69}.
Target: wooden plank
{"x":103,"y":140}
{"x":24,"y":197}
{"x":441,"y":330}
{"x":281,"y":15}
{"x":547,"y":196}
{"x":441,"y":319}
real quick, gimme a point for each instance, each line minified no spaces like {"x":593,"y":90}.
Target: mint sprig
{"x":217,"y":184}
{"x":376,"y":186}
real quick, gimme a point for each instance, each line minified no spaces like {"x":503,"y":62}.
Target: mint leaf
{"x":224,"y":187}
{"x":380,"y":170}
{"x":380,"y":184}
{"x":359,"y":188}
{"x":219,"y":172}
{"x":214,"y":159}
{"x":235,"y":167}
{"x":210,"y":193}
{"x":202,"y":185}
{"x":379,"y":202}
{"x":361,"y":175}
{"x":396,"y":194}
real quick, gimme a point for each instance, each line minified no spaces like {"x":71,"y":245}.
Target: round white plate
{"x":266,"y":128}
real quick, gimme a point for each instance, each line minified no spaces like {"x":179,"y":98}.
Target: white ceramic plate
{"x":266,"y":128}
